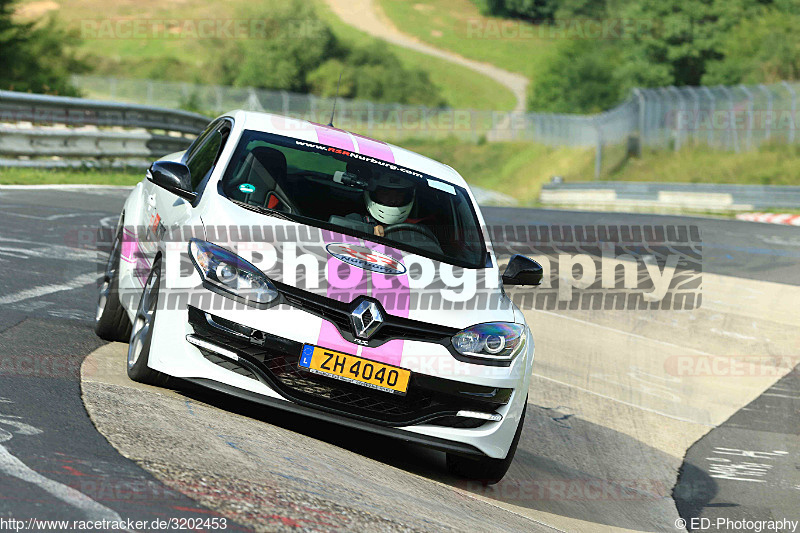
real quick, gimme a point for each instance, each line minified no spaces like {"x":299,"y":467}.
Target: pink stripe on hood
{"x":395,"y":298}
{"x":373,"y":148}
{"x":338,"y":289}
{"x":333,"y":137}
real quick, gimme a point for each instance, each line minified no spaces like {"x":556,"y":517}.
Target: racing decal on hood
{"x":366,"y":258}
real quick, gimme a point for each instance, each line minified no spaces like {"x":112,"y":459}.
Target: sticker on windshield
{"x":442,"y":186}
{"x":247,"y":188}
{"x":365,"y":258}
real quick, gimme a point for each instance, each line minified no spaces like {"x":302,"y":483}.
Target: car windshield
{"x":354,"y":194}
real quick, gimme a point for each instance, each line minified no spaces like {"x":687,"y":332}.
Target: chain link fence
{"x":725,"y":118}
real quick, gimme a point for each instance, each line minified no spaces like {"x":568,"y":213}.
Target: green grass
{"x":457,"y":25}
{"x":461,"y":87}
{"x":32,"y":176}
{"x":770,"y":165}
{"x":520,"y":169}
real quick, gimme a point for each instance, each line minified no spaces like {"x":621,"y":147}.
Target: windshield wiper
{"x":263,"y":210}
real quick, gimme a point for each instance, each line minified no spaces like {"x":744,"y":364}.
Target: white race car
{"x":321,"y":272}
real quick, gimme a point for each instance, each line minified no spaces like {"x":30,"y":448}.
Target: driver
{"x":390,"y":202}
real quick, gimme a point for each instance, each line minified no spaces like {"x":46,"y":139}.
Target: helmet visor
{"x":391,"y":197}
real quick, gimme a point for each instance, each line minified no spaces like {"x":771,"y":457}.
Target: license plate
{"x":354,"y":369}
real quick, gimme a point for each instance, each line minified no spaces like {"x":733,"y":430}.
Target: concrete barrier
{"x":615,"y":195}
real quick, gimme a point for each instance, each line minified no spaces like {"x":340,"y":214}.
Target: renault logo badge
{"x":366,"y":318}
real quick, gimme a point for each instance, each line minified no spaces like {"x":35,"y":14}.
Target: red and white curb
{"x":771,"y":218}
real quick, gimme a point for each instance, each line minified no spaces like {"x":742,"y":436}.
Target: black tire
{"x":111,"y":322}
{"x":485,"y":469}
{"x":142,"y":332}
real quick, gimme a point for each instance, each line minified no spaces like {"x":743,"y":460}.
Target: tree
{"x":36,"y":56}
{"x":762,"y":49}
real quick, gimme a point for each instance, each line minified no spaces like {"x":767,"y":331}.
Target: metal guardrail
{"x":43,"y":109}
{"x":58,"y":131}
{"x":611,"y":195}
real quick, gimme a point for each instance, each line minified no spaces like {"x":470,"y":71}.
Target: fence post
{"x":794,"y":110}
{"x":218,"y":95}
{"x":678,"y":114}
{"x":768,"y":124}
{"x":734,"y":133}
{"x":749,"y":136}
{"x":370,"y":118}
{"x":695,"y":113}
{"x":640,"y":98}
{"x":711,"y":112}
{"x":598,"y":154}
{"x":285,"y":103}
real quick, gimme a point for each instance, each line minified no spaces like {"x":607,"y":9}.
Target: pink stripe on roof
{"x":373,"y":148}
{"x":333,"y":137}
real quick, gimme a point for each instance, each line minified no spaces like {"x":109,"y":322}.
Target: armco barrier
{"x":57,"y":131}
{"x":611,"y":195}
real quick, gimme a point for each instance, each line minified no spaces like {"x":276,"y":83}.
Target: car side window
{"x":211,"y":150}
{"x":200,"y":139}
{"x":202,"y":161}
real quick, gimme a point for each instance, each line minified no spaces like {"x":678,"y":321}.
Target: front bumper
{"x":273,"y":361}
{"x":173,"y":355}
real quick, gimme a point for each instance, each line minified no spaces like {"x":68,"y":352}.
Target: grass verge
{"x":520,"y":169}
{"x":35,"y":176}
{"x":769,"y":165}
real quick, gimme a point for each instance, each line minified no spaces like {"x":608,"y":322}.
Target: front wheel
{"x":486,"y":469}
{"x":142,"y":332}
{"x":111,"y":321}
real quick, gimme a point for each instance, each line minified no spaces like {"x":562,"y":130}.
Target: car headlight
{"x":226,"y":273}
{"x":499,"y":341}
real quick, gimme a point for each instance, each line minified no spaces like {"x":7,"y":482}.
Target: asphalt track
{"x":607,"y":432}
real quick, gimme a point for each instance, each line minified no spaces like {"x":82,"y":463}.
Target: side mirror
{"x":174,"y":177}
{"x":522,"y":270}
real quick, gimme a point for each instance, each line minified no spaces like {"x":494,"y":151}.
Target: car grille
{"x":276,"y":364}
{"x":338,"y":313}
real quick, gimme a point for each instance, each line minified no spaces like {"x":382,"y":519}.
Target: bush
{"x":533,"y":10}
{"x":579,"y":78}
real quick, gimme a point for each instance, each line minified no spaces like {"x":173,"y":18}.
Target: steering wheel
{"x":405,"y":226}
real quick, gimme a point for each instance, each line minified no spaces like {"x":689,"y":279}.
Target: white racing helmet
{"x":391,"y":200}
